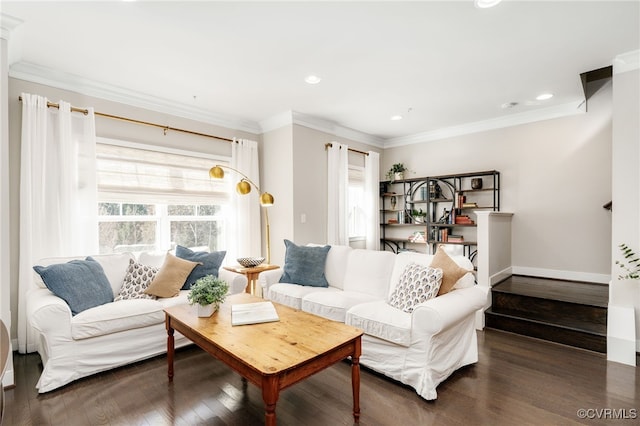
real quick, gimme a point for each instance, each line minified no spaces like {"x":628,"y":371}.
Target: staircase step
{"x":591,"y":294}
{"x":567,"y":312}
{"x":548,"y":310}
{"x":567,"y":335}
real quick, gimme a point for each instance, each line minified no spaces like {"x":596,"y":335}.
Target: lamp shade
{"x":243,"y":187}
{"x":216,"y":172}
{"x":266,"y":199}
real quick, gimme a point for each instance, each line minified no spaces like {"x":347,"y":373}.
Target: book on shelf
{"x":444,"y":235}
{"x":392,"y":221}
{"x":463,"y":219}
{"x":253,"y":313}
{"x":455,"y":238}
{"x":469,"y":205}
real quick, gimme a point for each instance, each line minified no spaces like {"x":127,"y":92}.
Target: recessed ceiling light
{"x":544,"y":96}
{"x":396,"y":117}
{"x":312,"y":79}
{"x":484,"y":4}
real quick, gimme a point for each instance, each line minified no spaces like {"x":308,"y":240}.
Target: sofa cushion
{"x":451,"y":271}
{"x":171,"y":277}
{"x":333,"y":305}
{"x":209,"y":263}
{"x":405,"y":258}
{"x":417,"y":284}
{"x":80,"y":283}
{"x":369,"y":271}
{"x":292,"y":294}
{"x":114,"y":266}
{"x":336,"y":265}
{"x":304,"y":265}
{"x":152,"y":258}
{"x":136,"y":281}
{"x":380,"y":320}
{"x":115,"y":317}
{"x":180,"y":299}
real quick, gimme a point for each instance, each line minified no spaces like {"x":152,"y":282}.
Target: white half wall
{"x":624,"y":295}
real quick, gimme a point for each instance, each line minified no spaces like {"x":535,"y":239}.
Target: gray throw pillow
{"x":305,"y":265}
{"x":81,"y":283}
{"x":210,"y":262}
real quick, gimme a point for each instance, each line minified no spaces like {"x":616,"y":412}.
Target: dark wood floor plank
{"x":518,"y":380}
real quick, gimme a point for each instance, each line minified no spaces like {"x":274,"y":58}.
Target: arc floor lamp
{"x":243,"y":187}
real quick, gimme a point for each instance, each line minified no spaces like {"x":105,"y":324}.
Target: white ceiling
{"x":440,"y":64}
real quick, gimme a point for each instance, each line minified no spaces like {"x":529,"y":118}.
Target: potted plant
{"x":396,"y":172}
{"x":418,"y":216}
{"x":208,"y":293}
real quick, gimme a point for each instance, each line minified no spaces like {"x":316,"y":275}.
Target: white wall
{"x":295,"y":168}
{"x":555,"y":178}
{"x":626,"y":197}
{"x":277,"y":178}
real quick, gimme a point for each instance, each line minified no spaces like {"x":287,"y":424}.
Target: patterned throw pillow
{"x":417,"y":284}
{"x":136,"y":281}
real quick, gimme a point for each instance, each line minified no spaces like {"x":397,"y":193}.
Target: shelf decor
{"x":437,"y":210}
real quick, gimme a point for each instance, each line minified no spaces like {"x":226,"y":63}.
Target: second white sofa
{"x":421,"y":348}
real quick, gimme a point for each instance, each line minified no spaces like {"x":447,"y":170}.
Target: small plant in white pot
{"x":208,"y":293}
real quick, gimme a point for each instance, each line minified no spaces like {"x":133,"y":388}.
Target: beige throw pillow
{"x":451,"y":272}
{"x":171,"y":277}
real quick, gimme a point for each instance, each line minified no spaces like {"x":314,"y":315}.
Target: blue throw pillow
{"x":209,"y":263}
{"x":305,"y":265}
{"x":81,"y":283}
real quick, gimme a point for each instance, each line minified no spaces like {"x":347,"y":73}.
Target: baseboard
{"x":561,"y":275}
{"x":500,"y":276}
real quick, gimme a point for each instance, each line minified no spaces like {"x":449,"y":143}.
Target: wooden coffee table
{"x":274,"y":355}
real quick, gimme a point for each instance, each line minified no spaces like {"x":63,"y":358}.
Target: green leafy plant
{"x":630,"y":264}
{"x":208,"y":290}
{"x":396,"y":168}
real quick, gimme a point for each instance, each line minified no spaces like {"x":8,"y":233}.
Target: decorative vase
{"x":393,"y":202}
{"x":206,"y":310}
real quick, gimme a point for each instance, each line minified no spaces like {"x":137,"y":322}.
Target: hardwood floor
{"x":518,"y":380}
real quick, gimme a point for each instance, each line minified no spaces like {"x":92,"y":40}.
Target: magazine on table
{"x":253,"y":313}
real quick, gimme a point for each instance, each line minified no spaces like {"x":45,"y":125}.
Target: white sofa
{"x":105,"y":336}
{"x":420,"y":349}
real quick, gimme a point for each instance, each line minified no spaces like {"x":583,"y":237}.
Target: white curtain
{"x":245,"y":235}
{"x":372,"y":199}
{"x":337,"y":190}
{"x":58,"y":196}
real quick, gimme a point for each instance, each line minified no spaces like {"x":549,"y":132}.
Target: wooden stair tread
{"x":569,"y":324}
{"x":592,"y":294}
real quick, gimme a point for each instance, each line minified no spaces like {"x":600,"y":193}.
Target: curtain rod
{"x":132,"y":120}
{"x":328,"y":144}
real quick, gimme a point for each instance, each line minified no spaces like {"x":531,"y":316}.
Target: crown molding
{"x":277,"y":121}
{"x":571,"y":108}
{"x":289,"y":118}
{"x":626,"y":62}
{"x":7,"y":24}
{"x":61,"y":80}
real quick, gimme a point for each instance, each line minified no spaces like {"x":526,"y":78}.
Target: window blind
{"x":126,"y":174}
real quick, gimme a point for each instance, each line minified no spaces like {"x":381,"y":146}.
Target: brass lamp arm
{"x":245,"y":177}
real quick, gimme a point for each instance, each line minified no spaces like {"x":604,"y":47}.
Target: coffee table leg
{"x":355,"y":380}
{"x":270,"y":393}
{"x":170,"y":350}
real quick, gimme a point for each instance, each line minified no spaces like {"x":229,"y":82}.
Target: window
{"x":154,"y":200}
{"x":355,"y":202}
